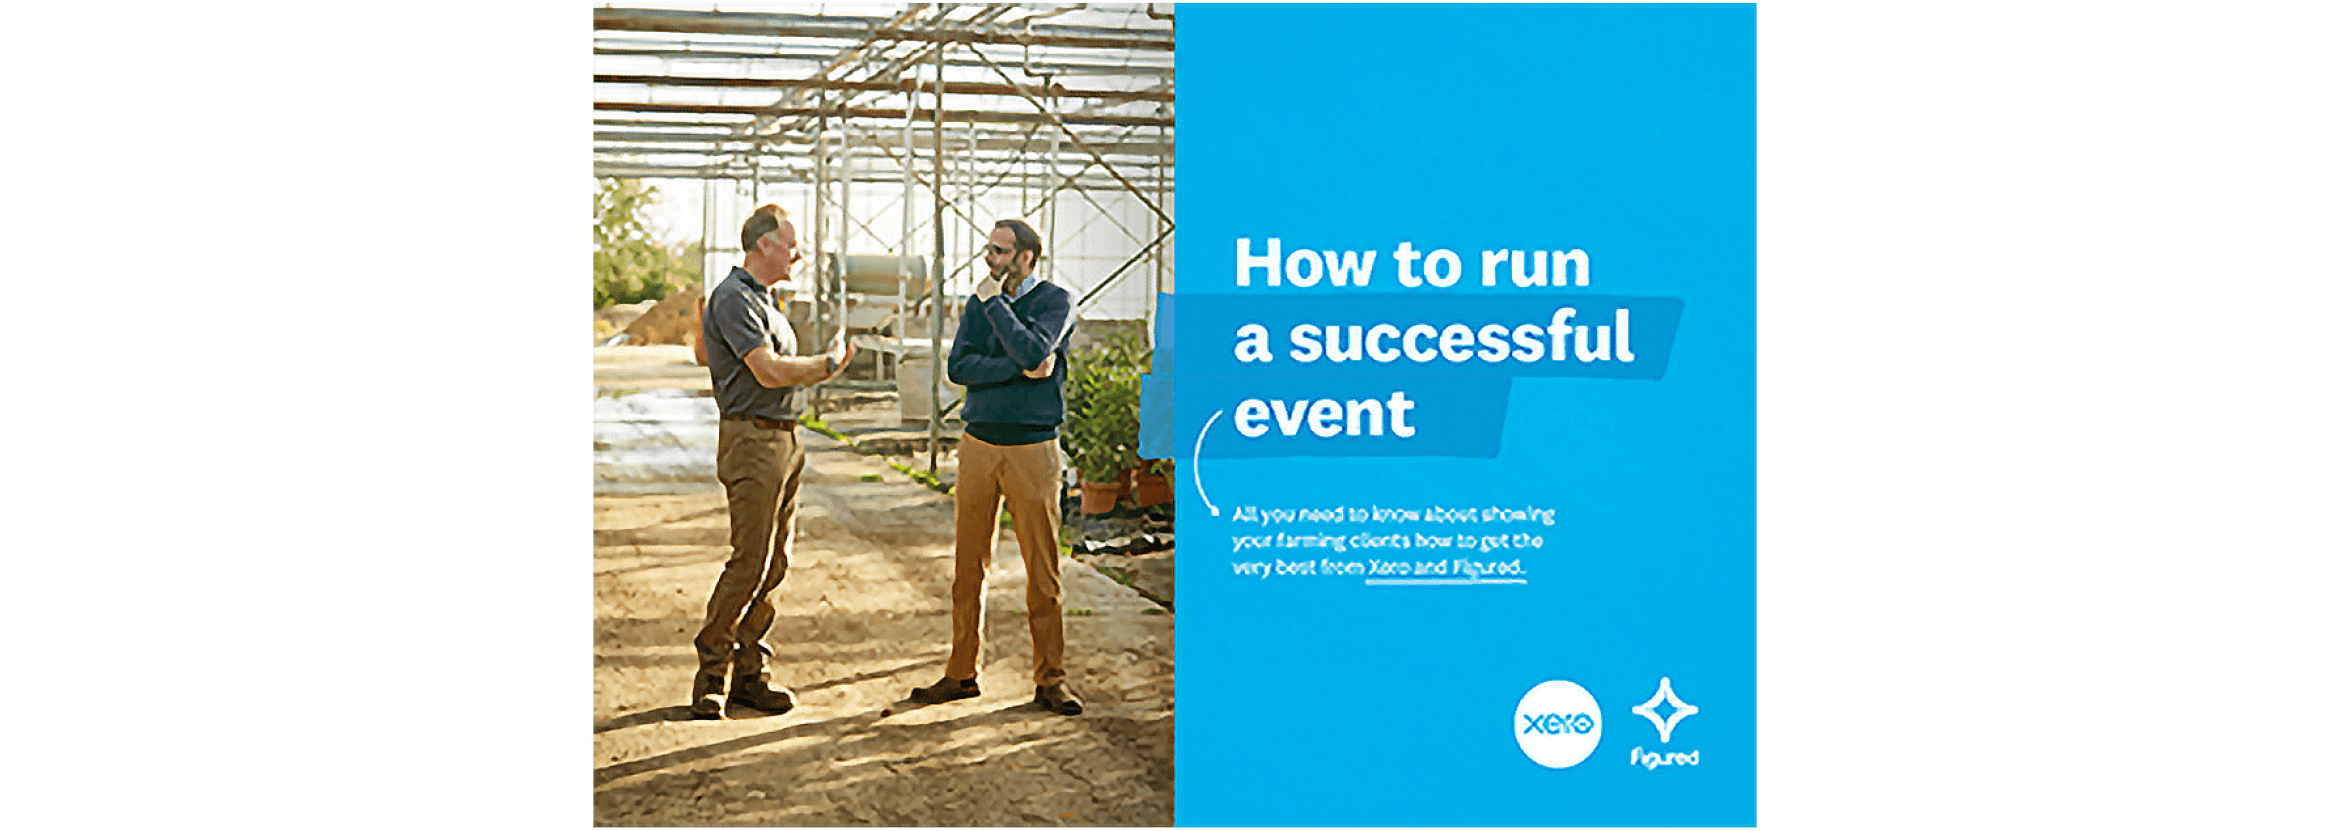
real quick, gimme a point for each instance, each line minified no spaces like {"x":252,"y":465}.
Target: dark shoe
{"x":708,"y":698}
{"x":1059,"y":700}
{"x":755,"y":694}
{"x":948,"y":689}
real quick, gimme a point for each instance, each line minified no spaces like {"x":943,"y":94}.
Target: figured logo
{"x":1557,"y":724}
{"x":1676,"y":710}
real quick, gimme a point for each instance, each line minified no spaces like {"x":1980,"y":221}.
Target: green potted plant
{"x":1091,"y":448}
{"x":1105,"y":420}
{"x":1122,"y":364}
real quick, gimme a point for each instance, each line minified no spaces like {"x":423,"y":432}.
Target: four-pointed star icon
{"x":1664,"y":695}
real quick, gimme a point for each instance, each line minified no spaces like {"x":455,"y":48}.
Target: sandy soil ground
{"x":862,"y":619}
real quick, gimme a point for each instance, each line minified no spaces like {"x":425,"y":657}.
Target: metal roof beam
{"x":896,"y":114}
{"x":711,"y":53}
{"x":1064,"y":123}
{"x":607,"y":169}
{"x":712,"y":129}
{"x":689,"y":156}
{"x":1136,"y":148}
{"x":908,"y":85}
{"x":825,"y":26}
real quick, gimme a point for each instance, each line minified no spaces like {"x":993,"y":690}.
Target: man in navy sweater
{"x":1007,"y":356}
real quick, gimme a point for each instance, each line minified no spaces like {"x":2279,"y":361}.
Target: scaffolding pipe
{"x":773,"y":174}
{"x":907,"y":86}
{"x":1104,"y":210}
{"x":938,"y":227}
{"x":1073,"y":137}
{"x":795,"y":96}
{"x":708,"y":52}
{"x":839,"y":285}
{"x":1087,"y":301}
{"x":907,"y":166}
{"x":875,"y":142}
{"x":606,"y":169}
{"x":1150,"y":300}
{"x":816,"y":242}
{"x":980,"y":116}
{"x":758,"y":23}
{"x":855,"y":52}
{"x":1017,"y":141}
{"x":804,"y":26}
{"x":912,"y":58}
{"x":709,"y":221}
{"x":905,"y":250}
{"x":971,"y":197}
{"x":1006,"y":152}
{"x":1051,"y":206}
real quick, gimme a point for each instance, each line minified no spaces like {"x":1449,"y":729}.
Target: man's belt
{"x":768,"y":423}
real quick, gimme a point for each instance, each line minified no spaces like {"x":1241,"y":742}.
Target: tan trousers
{"x":761,"y":470}
{"x":1028,"y":478}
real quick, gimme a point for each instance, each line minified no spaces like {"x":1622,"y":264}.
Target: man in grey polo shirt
{"x":757,"y":375}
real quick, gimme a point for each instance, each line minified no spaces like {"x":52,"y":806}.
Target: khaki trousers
{"x":1027,"y":478}
{"x":761,"y":470}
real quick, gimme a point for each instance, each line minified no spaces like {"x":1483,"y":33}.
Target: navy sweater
{"x":998,"y":339}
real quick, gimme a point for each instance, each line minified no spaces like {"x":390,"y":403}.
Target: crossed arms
{"x":1028,"y":345}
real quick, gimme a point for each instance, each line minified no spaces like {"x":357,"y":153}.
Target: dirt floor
{"x":862,"y":619}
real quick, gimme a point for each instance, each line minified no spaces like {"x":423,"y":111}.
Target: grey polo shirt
{"x":740,"y":316}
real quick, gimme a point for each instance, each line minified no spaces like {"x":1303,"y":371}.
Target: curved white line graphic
{"x":1195,"y":482}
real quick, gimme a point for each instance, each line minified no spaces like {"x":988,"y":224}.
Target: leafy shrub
{"x":631,"y":266}
{"x":1104,"y":397}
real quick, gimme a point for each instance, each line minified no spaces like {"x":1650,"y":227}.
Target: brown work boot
{"x":755,"y":694}
{"x":1058,"y":700}
{"x":948,"y":689}
{"x":709,"y":699}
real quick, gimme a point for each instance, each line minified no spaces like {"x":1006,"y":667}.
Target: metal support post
{"x":938,"y":228}
{"x":1052,"y":224}
{"x":905,"y":237}
{"x":816,"y":242}
{"x":838,"y":277}
{"x":1055,"y":118}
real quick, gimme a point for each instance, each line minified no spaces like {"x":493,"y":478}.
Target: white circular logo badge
{"x":1558,"y":724}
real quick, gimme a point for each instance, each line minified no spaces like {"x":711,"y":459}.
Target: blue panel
{"x":1363,"y":615}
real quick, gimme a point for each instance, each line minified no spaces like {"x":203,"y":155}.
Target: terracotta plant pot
{"x":1098,"y":497}
{"x":1150,"y":489}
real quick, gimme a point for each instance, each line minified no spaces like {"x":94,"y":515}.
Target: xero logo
{"x":1557,"y":724}
{"x":1552,"y":724}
